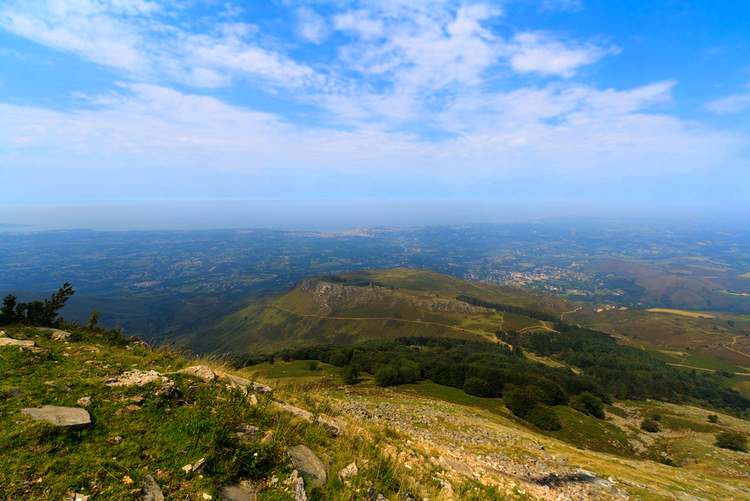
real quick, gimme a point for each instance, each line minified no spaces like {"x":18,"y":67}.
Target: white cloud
{"x":734,"y":103}
{"x":311,"y":26}
{"x":550,"y":131}
{"x":544,"y":55}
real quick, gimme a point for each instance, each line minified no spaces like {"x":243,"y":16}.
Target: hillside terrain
{"x":162,"y":424}
{"x":383,"y":304}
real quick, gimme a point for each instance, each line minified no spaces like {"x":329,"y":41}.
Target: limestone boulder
{"x":59,"y":416}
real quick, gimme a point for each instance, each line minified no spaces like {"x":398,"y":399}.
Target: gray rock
{"x":239,"y":492}
{"x":59,"y":416}
{"x":151,"y":490}
{"x":309,"y":465}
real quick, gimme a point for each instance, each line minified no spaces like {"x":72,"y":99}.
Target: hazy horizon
{"x":338,"y":215}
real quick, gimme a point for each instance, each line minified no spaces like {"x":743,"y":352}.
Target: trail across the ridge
{"x":419,"y":322}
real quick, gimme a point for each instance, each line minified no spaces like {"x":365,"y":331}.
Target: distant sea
{"x":325,"y":216}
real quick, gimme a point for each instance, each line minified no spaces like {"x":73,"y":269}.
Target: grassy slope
{"x":402,"y":304}
{"x":38,"y":461}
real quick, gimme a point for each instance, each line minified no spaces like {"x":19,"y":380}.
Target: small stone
{"x":59,"y":416}
{"x":116,"y":440}
{"x":309,"y":465}
{"x":84,"y":401}
{"x":151,"y":490}
{"x":349,"y":471}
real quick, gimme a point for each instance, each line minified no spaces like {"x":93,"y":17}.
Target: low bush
{"x":732,"y":440}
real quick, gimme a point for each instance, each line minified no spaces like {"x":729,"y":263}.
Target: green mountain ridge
{"x":383,"y":304}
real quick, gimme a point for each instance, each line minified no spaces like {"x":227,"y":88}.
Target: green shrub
{"x":544,"y":417}
{"x":713,"y":418}
{"x":521,"y":400}
{"x":588,"y":403}
{"x":732,"y":440}
{"x":408,"y":372}
{"x":387,"y":375}
{"x":477,"y":387}
{"x":338,"y":358}
{"x":351,"y":374}
{"x":313,"y":365}
{"x":650,"y":425}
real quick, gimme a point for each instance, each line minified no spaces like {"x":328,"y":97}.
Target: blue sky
{"x":548,"y":100}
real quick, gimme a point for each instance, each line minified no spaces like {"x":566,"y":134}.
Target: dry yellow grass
{"x":683,"y":313}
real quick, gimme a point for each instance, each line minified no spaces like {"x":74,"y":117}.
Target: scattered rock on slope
{"x":136,"y":377}
{"x":311,"y":467}
{"x":59,"y":416}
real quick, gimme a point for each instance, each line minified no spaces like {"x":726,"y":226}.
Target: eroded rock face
{"x":309,"y":465}
{"x":136,"y":377}
{"x":59,"y":416}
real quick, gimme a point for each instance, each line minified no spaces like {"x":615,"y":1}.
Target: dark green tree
{"x":8,"y":313}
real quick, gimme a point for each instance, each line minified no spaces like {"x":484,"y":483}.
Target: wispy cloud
{"x":542,"y":54}
{"x":733,"y":103}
